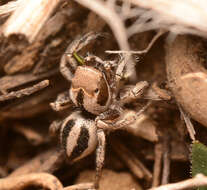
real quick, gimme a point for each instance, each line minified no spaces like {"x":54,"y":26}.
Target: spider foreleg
{"x":62,"y":102}
{"x":131,"y":93}
{"x":100,"y":155}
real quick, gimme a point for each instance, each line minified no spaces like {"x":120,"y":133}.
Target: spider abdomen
{"x":78,"y":136}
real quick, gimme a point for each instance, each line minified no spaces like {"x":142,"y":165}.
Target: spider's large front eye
{"x":96,"y":90}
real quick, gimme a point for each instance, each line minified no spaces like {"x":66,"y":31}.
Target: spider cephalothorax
{"x":90,"y":90}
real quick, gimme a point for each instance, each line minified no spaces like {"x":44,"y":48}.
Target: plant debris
{"x":145,"y":51}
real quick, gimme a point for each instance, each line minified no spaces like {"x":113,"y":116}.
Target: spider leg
{"x":127,"y":120}
{"x":55,"y":127}
{"x":69,"y":56}
{"x":134,"y":164}
{"x":120,"y":68}
{"x":85,"y":40}
{"x":62,"y":102}
{"x":107,"y":64}
{"x":66,"y":71}
{"x":119,"y":73}
{"x":121,"y":122}
{"x":117,"y":84}
{"x":110,"y":114}
{"x":131,"y":93}
{"x":103,"y":121}
{"x":92,"y":58}
{"x":100,"y":154}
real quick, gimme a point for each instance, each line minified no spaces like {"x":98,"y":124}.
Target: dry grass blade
{"x":8,"y":8}
{"x":24,"y":92}
{"x":169,"y":14}
{"x":12,"y":81}
{"x":108,"y":13}
{"x":132,"y":162}
{"x":166,"y":160}
{"x":188,"y":123}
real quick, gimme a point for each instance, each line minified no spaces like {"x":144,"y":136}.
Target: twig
{"x":30,"y":134}
{"x":12,"y":81}
{"x":188,"y":123}
{"x":24,"y":92}
{"x":166,"y":159}
{"x":24,"y":61}
{"x":159,"y":33}
{"x":198,"y":181}
{"x":157,"y":165}
{"x":40,"y":103}
{"x":48,"y":161}
{"x":44,"y":180}
{"x":29,"y":17}
{"x":132,"y":162}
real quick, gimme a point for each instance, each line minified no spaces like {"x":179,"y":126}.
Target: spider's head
{"x":90,"y":90}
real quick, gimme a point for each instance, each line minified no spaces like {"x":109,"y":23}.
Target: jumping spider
{"x":96,"y":89}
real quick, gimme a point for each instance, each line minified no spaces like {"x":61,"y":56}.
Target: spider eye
{"x":96,"y":90}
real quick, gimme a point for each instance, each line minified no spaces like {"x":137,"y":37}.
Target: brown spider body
{"x":90,"y":90}
{"x":95,"y":88}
